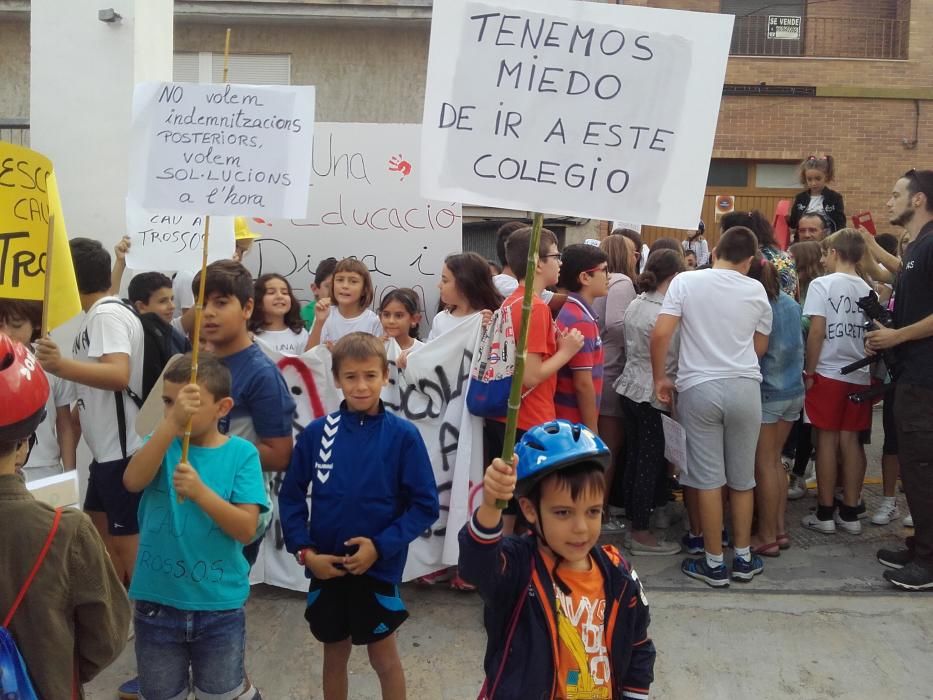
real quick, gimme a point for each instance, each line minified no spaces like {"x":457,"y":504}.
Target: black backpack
{"x":161,"y":343}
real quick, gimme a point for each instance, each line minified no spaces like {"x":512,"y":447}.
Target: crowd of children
{"x":750,"y":353}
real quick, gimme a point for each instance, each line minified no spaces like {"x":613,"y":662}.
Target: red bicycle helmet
{"x":24,"y":390}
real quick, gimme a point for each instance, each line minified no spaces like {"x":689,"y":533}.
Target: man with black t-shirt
{"x":911,"y":206}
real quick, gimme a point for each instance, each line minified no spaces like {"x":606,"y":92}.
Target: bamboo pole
{"x":199,"y":306}
{"x":521,"y":346}
{"x":47,"y":294}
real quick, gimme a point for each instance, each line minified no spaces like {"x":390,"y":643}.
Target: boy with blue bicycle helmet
{"x":564,"y":618}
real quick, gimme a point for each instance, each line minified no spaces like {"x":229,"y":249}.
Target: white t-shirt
{"x":286,"y":342}
{"x":720,"y":311}
{"x":336,"y":326}
{"x":46,"y":452}
{"x":505,"y":284}
{"x":444,"y":321}
{"x":109,"y":327}
{"x":833,"y":297}
{"x":181,"y":288}
{"x":816,"y":204}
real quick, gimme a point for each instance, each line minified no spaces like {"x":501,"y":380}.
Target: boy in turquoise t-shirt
{"x":191,"y":579}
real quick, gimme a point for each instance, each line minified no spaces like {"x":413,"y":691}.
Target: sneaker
{"x":912,"y":577}
{"x":811,"y":522}
{"x":908,"y":520}
{"x":692,"y":544}
{"x":700,"y":570}
{"x":886,"y":512}
{"x":662,"y":549}
{"x":895,"y":558}
{"x":612,"y":526}
{"x":747,"y":570}
{"x":129,"y":690}
{"x":797,"y":488}
{"x":853,"y":527}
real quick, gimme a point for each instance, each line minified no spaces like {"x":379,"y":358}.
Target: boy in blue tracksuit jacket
{"x":372,"y":492}
{"x":564,"y":618}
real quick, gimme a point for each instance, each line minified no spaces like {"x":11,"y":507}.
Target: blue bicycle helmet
{"x":551,"y":446}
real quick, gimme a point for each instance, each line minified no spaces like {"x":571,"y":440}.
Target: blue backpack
{"x":14,"y":679}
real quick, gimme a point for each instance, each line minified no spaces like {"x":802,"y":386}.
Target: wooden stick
{"x":196,"y":336}
{"x":47,"y":294}
{"x":521,"y":346}
{"x":199,"y":306}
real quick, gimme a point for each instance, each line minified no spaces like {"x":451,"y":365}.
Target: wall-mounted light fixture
{"x":109,"y":15}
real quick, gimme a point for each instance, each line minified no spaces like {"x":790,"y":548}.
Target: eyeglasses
{"x":604,"y":268}
{"x":552,"y":255}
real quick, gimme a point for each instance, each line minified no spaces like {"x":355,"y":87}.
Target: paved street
{"x":819,"y":623}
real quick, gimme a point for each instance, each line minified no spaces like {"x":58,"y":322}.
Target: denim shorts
{"x":785,"y":409}
{"x":170,"y":641}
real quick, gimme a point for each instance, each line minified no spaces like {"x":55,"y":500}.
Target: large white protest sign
{"x":364,"y":203}
{"x":574,"y":107}
{"x":174,"y":242}
{"x":431,"y":392}
{"x":221,"y":149}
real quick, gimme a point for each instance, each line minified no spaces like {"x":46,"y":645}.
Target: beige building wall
{"x":14,"y":69}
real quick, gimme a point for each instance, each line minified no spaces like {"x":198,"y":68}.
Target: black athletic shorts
{"x":362,"y":608}
{"x":107,"y":494}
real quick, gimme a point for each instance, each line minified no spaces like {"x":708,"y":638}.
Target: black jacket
{"x":502,"y":567}
{"x":833,"y":208}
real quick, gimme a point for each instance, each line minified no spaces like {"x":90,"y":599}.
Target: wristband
{"x":300,"y":555}
{"x":809,"y":375}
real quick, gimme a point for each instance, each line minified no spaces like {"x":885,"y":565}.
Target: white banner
{"x":364,"y":203}
{"x":431,"y":392}
{"x":221,"y":149}
{"x":572,"y":107}
{"x":175,"y":241}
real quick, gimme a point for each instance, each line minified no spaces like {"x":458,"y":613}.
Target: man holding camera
{"x":911,"y":206}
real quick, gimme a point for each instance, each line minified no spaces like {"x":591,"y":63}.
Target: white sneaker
{"x":796,"y":489}
{"x":908,"y":520}
{"x":887,"y":511}
{"x":811,"y":522}
{"x":853,"y":527}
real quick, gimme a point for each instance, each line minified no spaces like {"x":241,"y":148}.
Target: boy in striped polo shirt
{"x":584,"y":274}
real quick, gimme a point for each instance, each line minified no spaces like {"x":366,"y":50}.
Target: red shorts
{"x":829,"y":408}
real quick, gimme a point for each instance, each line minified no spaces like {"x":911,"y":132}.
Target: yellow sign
{"x":28,"y":197}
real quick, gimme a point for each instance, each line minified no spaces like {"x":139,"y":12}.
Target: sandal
{"x":458,"y":584}
{"x":772,"y":549}
{"x":783,"y":540}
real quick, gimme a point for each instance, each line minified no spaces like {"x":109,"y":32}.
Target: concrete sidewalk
{"x":820,"y":622}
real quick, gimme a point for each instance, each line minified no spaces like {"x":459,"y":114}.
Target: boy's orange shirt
{"x":583,"y":666}
{"x":537,"y":405}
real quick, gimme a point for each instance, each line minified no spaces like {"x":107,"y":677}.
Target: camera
{"x":885,"y":362}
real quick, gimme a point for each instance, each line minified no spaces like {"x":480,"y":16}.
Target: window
{"x":753,"y":28}
{"x":727,"y":173}
{"x":249,"y":69}
{"x":747,"y":176}
{"x":825,"y":28}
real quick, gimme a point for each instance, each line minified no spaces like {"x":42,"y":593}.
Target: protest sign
{"x":430,"y":392}
{"x":364,"y":203}
{"x":28,"y":199}
{"x":174,"y":242}
{"x":221,"y":149}
{"x":675,"y":444}
{"x":579,"y":108}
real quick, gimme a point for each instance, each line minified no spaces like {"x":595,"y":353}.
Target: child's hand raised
{"x":321,"y":311}
{"x":499,"y":482}
{"x":186,"y":405}
{"x":187,"y":483}
{"x":122,"y":247}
